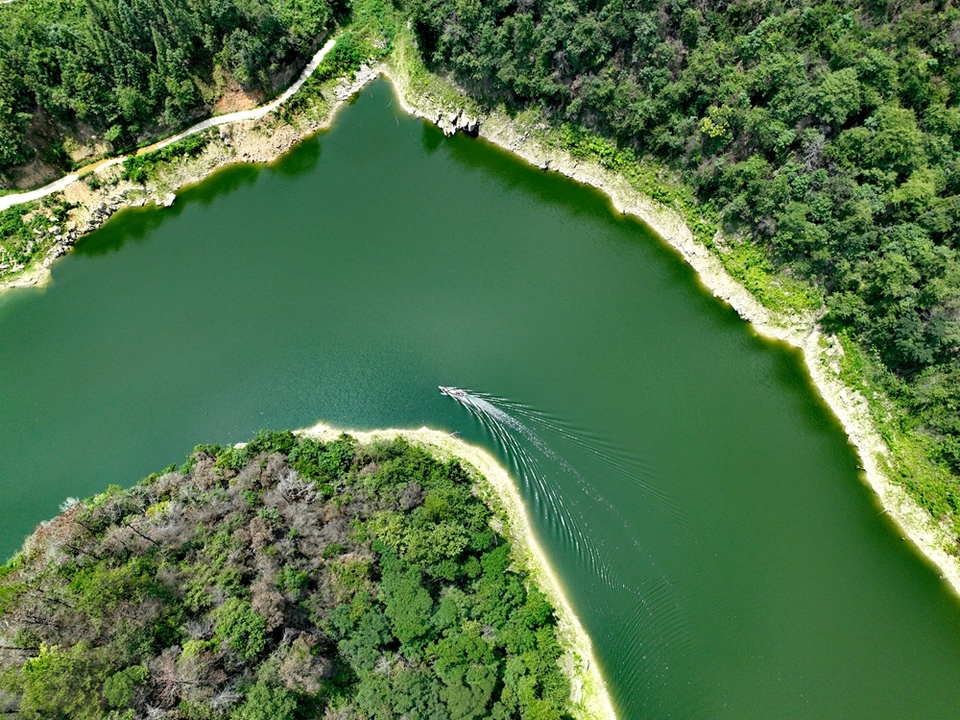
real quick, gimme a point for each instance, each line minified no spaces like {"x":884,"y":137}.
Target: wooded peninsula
{"x":291,"y":577}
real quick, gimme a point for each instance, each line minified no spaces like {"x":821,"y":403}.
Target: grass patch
{"x":913,"y":460}
{"x":141,"y":168}
{"x":25,"y":234}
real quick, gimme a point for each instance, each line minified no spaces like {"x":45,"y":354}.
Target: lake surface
{"x":701,"y":506}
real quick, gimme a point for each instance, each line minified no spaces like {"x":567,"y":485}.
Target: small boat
{"x":452,"y":391}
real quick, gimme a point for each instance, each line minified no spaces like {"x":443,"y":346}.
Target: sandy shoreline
{"x":590,"y":696}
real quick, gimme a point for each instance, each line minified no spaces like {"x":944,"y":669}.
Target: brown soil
{"x":236,"y":98}
{"x":84,"y":144}
{"x":40,"y":133}
{"x":34,"y":174}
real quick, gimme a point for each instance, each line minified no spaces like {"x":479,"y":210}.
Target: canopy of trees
{"x":828,"y":130}
{"x":289,"y":579}
{"x":129,"y":67}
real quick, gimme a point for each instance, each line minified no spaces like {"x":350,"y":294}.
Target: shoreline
{"x":94,"y":207}
{"x":247,"y":142}
{"x":61,"y":184}
{"x":590,"y":696}
{"x":820,"y":351}
{"x":260,"y":140}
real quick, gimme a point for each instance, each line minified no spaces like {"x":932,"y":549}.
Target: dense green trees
{"x":13,"y":120}
{"x":828,"y":131}
{"x":128,"y":68}
{"x":283,"y":580}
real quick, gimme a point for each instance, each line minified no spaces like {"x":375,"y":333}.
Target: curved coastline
{"x":590,"y":695}
{"x":820,"y":351}
{"x":252,"y":136}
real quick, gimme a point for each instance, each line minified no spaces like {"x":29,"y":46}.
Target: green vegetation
{"x":29,"y":231}
{"x":129,"y":70}
{"x":137,"y":168}
{"x":822,"y":136}
{"x":288,"y":579}
{"x":373,"y":26}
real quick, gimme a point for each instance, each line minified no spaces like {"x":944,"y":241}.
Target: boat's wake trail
{"x":554,"y":509}
{"x":545,"y":496}
{"x":656,"y":620}
{"x":617,"y":462}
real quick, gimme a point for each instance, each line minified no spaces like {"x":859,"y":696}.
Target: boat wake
{"x":656,"y":616}
{"x":500,"y":423}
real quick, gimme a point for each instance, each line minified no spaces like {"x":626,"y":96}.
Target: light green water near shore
{"x":698,"y":502}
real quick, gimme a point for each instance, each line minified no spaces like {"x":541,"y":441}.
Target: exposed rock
{"x":468,"y":124}
{"x":453,"y":121}
{"x":363,"y":76}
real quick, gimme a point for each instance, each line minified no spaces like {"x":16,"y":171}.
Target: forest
{"x":130,"y":70}
{"x":290,"y":578}
{"x":825,"y":133}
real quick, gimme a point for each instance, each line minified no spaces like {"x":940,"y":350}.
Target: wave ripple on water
{"x":650,"y":599}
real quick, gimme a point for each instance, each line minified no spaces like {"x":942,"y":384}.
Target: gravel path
{"x":8,"y":201}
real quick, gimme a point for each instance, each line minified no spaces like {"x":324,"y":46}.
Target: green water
{"x":699,"y":503}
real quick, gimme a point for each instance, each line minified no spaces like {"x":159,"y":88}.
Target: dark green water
{"x":704,"y":510}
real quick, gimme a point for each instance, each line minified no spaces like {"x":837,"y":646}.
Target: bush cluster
{"x":287,"y":579}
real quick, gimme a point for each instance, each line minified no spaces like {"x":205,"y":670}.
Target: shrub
{"x":241,"y":628}
{"x":118,"y":688}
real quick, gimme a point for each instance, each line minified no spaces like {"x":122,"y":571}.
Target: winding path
{"x":8,"y":201}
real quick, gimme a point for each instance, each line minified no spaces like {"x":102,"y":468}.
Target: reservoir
{"x":700,"y":505}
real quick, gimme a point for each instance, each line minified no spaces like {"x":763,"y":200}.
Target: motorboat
{"x":453,"y":392}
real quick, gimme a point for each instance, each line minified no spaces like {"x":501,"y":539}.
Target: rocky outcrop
{"x":346,"y":89}
{"x":455,"y":121}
